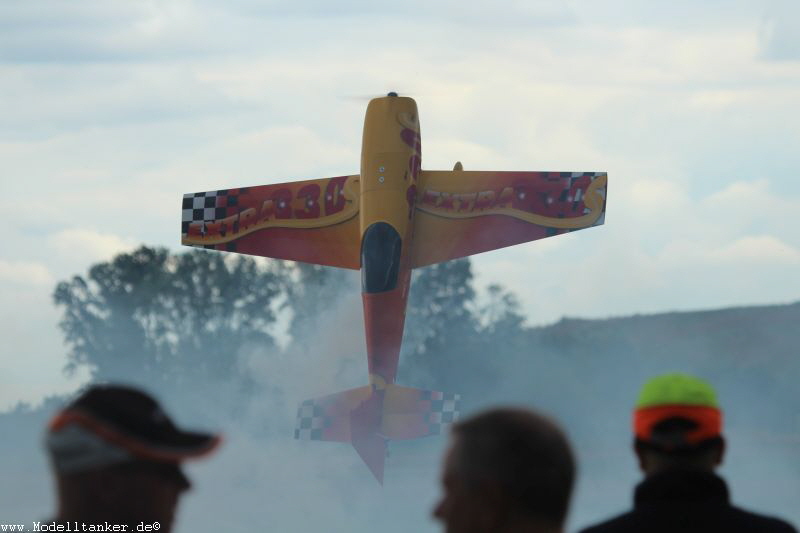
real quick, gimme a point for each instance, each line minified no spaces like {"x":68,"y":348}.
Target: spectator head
{"x":677,"y":423}
{"x":117,"y":456}
{"x":506,"y":469}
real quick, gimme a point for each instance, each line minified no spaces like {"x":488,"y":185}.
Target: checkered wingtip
{"x":207,"y":207}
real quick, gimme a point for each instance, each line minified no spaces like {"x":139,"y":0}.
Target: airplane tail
{"x":369,"y":417}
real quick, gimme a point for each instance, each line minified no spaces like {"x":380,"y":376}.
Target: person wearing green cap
{"x":677,"y":424}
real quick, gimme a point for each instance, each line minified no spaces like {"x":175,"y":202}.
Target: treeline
{"x":185,"y":324}
{"x":180,"y":323}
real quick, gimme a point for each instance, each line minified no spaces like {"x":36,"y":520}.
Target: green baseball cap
{"x":677,"y":389}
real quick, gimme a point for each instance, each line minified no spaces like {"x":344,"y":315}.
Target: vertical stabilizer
{"x":365,"y":422}
{"x":372,"y":450}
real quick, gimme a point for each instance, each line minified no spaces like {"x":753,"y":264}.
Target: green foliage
{"x":450,"y":339}
{"x":310,"y":292}
{"x":441,"y":299}
{"x":168,"y":319}
{"x":182,"y":321}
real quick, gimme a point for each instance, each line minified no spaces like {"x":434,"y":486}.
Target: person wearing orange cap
{"x":677,"y":425}
{"x":116,"y":457}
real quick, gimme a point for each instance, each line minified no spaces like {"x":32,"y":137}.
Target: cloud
{"x":660,"y":249}
{"x":79,"y":246}
{"x":718,"y":99}
{"x":89,"y":244}
{"x":682,"y":14}
{"x":757,"y":250}
{"x":90,"y":31}
{"x":754,"y":207}
{"x":24,"y":273}
{"x":58,"y":99}
{"x":780,"y":31}
{"x":503,"y":13}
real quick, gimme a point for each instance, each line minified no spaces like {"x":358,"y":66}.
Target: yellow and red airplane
{"x":390,"y":218}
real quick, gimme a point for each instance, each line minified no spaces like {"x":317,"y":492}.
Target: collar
{"x":686,"y":486}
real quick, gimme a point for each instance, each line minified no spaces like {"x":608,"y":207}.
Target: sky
{"x":111,"y":110}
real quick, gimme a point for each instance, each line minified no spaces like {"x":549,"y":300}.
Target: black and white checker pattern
{"x":578,"y":196}
{"x":311,"y":420}
{"x":573,"y":177}
{"x":207,"y":206}
{"x":444,"y":412}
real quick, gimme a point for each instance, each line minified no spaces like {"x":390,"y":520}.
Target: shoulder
{"x":758,"y":522}
{"x":732,"y":519}
{"x":622,"y":523}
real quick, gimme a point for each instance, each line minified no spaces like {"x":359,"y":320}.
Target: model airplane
{"x":390,"y":218}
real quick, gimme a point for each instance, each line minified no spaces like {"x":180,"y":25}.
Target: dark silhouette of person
{"x":506,"y":471}
{"x":678,"y":442}
{"x":117,"y":458}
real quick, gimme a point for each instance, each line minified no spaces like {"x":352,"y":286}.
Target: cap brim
{"x":173,"y":445}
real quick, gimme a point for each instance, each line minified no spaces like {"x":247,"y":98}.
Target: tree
{"x":168,"y":320}
{"x":190,"y":323}
{"x":452,"y":343}
{"x":312,"y":290}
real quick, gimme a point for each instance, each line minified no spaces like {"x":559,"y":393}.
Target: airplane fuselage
{"x":390,"y":166}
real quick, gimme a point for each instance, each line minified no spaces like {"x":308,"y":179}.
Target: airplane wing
{"x":460,"y":213}
{"x":314,"y":221}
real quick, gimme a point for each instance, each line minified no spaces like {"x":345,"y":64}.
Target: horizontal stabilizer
{"x":368,"y":417}
{"x":410,"y":413}
{"x":328,"y":417}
